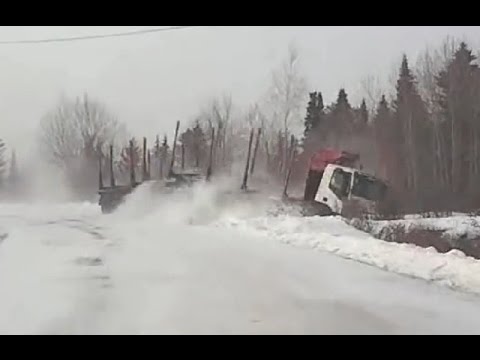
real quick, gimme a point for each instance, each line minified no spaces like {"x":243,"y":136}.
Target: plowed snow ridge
{"x":333,"y":235}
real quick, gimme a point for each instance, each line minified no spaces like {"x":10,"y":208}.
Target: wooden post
{"x":245,"y":174}
{"x":100,"y":175}
{"x":293,"y":152}
{"x":197,"y":152}
{"x":268,"y":161}
{"x":286,"y":154}
{"x":255,"y":150}
{"x":292,"y":146}
{"x":161,"y":161}
{"x":160,"y":167}
{"x":280,"y":152}
{"x":183,"y":155}
{"x":217,"y":146}
{"x":170,"y":171}
{"x":112,"y":175}
{"x":144,"y":160}
{"x":210,"y":159}
{"x":132,"y":165}
{"x":149,"y":158}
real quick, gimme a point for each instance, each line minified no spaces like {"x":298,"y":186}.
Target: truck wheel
{"x":315,"y":208}
{"x":105,"y":209}
{"x":108,"y":208}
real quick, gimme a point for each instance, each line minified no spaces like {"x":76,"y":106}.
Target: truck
{"x":334,"y":186}
{"x":112,"y":196}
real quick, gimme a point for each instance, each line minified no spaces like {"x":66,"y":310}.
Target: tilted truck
{"x":335,"y":187}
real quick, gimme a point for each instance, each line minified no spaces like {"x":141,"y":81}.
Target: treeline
{"x":422,"y":136}
{"x":76,"y":136}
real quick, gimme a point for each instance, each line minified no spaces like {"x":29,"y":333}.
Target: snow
{"x":333,"y":235}
{"x":37,"y":264}
{"x":455,"y":226}
{"x":195,"y":263}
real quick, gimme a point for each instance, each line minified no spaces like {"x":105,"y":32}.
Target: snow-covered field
{"x":196,"y":264}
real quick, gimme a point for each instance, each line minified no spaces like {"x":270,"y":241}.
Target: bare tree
{"x":218,"y":114}
{"x":287,"y":95}
{"x":288,"y":92}
{"x":372,"y":91}
{"x":391,"y":85}
{"x":222,"y":112}
{"x":428,"y":66}
{"x":447,"y":50}
{"x":74,"y":135}
{"x":255,"y":117}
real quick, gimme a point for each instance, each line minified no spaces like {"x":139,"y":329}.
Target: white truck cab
{"x":340,"y":184}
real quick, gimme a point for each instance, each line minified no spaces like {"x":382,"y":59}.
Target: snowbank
{"x":456,"y":226}
{"x":332,"y":234}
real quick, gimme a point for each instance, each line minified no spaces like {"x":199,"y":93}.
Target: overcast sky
{"x":150,"y":81}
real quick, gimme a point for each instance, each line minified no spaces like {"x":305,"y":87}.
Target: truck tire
{"x":106,"y":209}
{"x":315,"y":208}
{"x":108,"y":206}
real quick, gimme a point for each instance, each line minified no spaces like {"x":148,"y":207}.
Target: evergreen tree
{"x":124,"y":163}
{"x":383,"y":112}
{"x":412,"y":133}
{"x":314,"y":113}
{"x":157,"y":155}
{"x":382,"y":125}
{"x":342,"y":116}
{"x":363,"y":113}
{"x":157,"y":147}
{"x":163,"y":157}
{"x":199,"y":144}
{"x":459,"y":87}
{"x":187,"y":144}
{"x":342,"y":103}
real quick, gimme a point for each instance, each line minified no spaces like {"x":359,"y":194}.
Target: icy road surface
{"x":66,"y":269}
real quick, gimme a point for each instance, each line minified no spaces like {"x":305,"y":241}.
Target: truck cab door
{"x":334,"y":188}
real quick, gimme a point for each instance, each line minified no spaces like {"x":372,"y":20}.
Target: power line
{"x":90,"y":37}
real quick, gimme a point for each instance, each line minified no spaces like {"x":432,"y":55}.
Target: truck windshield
{"x":368,"y":187}
{"x":340,"y":183}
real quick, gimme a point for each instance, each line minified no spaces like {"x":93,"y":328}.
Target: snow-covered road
{"x":66,"y":269}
